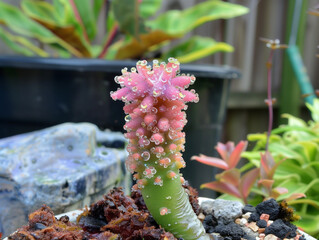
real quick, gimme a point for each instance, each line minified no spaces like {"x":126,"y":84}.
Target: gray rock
{"x":66,"y":167}
{"x":227,"y":211}
{"x":207,"y":206}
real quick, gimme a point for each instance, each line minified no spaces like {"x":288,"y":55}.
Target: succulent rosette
{"x":155,"y":100}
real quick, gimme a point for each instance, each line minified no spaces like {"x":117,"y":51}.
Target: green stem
{"x":171,"y":208}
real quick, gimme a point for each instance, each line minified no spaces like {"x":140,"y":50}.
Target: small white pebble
{"x":271,"y":237}
{"x":201,"y":216}
{"x":269,"y":222}
{"x":247,"y":215}
{"x":243,"y":221}
{"x":253,"y":226}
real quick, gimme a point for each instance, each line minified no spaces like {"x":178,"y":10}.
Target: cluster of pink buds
{"x":154,"y":102}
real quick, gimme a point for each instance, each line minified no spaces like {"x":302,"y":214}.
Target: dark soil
{"x":118,"y":217}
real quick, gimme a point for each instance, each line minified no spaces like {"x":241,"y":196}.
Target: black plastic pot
{"x":39,"y":92}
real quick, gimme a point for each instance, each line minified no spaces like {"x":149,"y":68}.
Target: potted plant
{"x":155,"y":102}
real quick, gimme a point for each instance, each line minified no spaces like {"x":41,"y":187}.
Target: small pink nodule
{"x":164,"y":211}
{"x":171,"y":175}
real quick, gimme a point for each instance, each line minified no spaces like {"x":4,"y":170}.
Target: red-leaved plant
{"x":235,"y":183}
{"x":230,"y":181}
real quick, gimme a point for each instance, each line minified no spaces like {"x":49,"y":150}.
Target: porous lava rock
{"x":230,"y":230}
{"x":281,"y":229}
{"x":261,"y":223}
{"x":270,"y":207}
{"x":248,"y":208}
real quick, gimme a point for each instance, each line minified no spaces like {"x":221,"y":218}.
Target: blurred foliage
{"x":298,"y":144}
{"x":134,"y":29}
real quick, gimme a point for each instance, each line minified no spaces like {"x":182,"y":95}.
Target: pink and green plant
{"x":155,"y":100}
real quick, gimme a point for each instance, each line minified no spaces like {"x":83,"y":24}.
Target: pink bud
{"x":130,"y":135}
{"x":150,"y":119}
{"x":140,"y":132}
{"x":163,"y":124}
{"x":171,"y":92}
{"x":134,"y":123}
{"x":119,"y":94}
{"x":157,"y":138}
{"x":181,"y":81}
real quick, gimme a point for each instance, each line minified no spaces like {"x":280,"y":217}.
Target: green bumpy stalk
{"x":170,"y":207}
{"x":155,"y":100}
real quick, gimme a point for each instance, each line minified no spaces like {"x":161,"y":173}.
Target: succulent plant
{"x":155,"y":100}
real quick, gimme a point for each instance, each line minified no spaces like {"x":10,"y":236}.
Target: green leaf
{"x":307,"y":201}
{"x":149,"y":7}
{"x":69,"y":32}
{"x":110,"y":21}
{"x":309,"y":223}
{"x":87,"y":16}
{"x":35,"y":8}
{"x":252,"y":157}
{"x":246,"y":167}
{"x":176,"y":22}
{"x":289,"y":167}
{"x":294,"y":121}
{"x":133,"y":48}
{"x":19,"y":23}
{"x":126,"y":12}
{"x":314,"y":165}
{"x":314,"y":108}
{"x":113,"y":49}
{"x":284,"y":129}
{"x":196,"y":48}
{"x":308,"y":149}
{"x":61,"y":11}
{"x":97,"y":6}
{"x":21,"y":45}
{"x":310,"y":189}
{"x":256,"y":137}
{"x":61,"y":52}
{"x":285,"y":151}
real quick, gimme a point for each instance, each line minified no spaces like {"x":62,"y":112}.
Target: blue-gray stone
{"x":66,"y":167}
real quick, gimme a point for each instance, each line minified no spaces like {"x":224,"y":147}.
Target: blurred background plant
{"x":298,"y":143}
{"x":69,"y":29}
{"x":283,"y":164}
{"x":290,"y":172}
